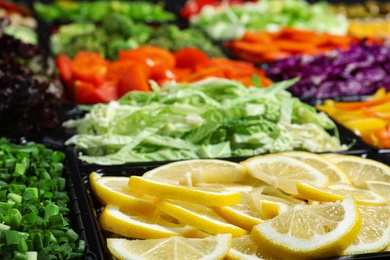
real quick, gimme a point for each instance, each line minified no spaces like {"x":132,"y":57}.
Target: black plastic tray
{"x":72,"y":182}
{"x":94,"y":207}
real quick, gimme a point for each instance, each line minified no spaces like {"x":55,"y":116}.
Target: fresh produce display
{"x":263,"y":46}
{"x":208,"y":119}
{"x":362,"y":9}
{"x":291,"y":205}
{"x":369,"y":119}
{"x":92,"y":79}
{"x":194,"y":129}
{"x":97,"y":10}
{"x":360,"y":70}
{"x":35,"y":204}
{"x":118,"y":32}
{"x":30,"y":89}
{"x":231,"y":22}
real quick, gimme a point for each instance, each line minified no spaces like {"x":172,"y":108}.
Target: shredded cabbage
{"x":213,"y":118}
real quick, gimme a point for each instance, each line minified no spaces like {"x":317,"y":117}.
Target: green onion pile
{"x":34,"y":212}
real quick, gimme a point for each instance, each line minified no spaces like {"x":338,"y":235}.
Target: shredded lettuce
{"x":213,"y":118}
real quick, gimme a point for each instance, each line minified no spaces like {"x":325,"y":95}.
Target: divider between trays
{"x":97,"y":248}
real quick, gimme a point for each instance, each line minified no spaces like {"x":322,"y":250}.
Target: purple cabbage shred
{"x":361,"y":70}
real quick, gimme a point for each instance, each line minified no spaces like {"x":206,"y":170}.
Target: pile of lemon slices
{"x":291,"y":205}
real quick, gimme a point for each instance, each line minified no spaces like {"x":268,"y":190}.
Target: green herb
{"x":98,"y":10}
{"x":34,"y":204}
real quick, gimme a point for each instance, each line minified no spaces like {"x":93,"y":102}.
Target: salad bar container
{"x":94,"y":207}
{"x":220,"y":45}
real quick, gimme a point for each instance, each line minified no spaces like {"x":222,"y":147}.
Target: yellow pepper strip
{"x":364,"y":126}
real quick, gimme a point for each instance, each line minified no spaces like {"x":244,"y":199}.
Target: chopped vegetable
{"x":370,"y":28}
{"x":34,"y":204}
{"x":209,"y":119}
{"x":169,"y":36}
{"x":193,"y":7}
{"x":231,"y":22}
{"x":360,"y":70}
{"x":262,"y":46}
{"x":118,"y":32}
{"x":98,"y":10}
{"x":362,"y":9}
{"x":369,"y":119}
{"x":92,"y":79}
{"x":31,"y":91}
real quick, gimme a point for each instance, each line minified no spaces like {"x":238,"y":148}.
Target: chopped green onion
{"x":13,"y":217}
{"x":14,"y":197}
{"x":63,"y":240}
{"x":32,"y":255}
{"x":58,"y":156}
{"x":48,"y":195}
{"x":22,"y":246}
{"x":19,"y":256}
{"x":72,"y":235}
{"x":30,"y":193}
{"x":29,"y":219}
{"x":80,"y":246}
{"x":30,"y":244}
{"x":3,"y":195}
{"x":57,"y":221}
{"x":4,"y":227}
{"x":39,"y":227}
{"x":60,"y":183}
{"x":12,"y":237}
{"x":20,"y":169}
{"x":57,"y":233}
{"x":46,"y":238}
{"x":17,"y":188}
{"x":9,"y":163}
{"x":51,"y":210}
{"x":36,"y":237}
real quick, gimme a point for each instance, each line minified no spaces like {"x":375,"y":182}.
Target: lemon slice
{"x":283,"y":172}
{"x":244,"y":214}
{"x":201,"y":217}
{"x":361,"y":169}
{"x":136,"y":225}
{"x":116,"y":191}
{"x":380,"y":187}
{"x":93,"y":177}
{"x":144,"y":185}
{"x":271,"y":206}
{"x":309,"y":231}
{"x":335,"y":174}
{"x":374,"y":235}
{"x":243,"y":248}
{"x":339,"y":192}
{"x":191,"y":172}
{"x":209,"y":248}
